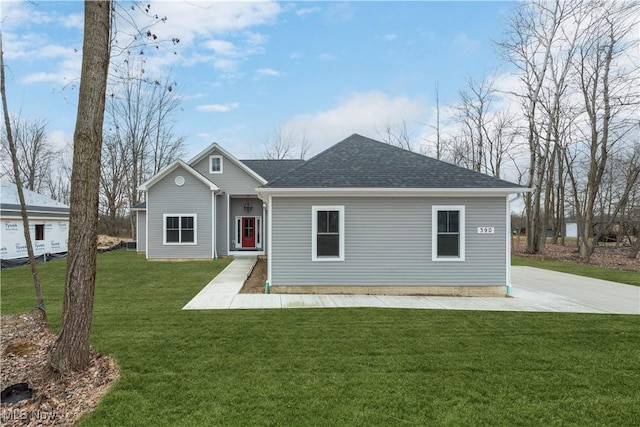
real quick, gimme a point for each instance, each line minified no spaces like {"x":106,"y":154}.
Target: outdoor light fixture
{"x":248,"y":207}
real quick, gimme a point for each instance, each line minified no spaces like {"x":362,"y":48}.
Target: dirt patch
{"x":255,"y":281}
{"x":25,"y":346}
{"x":604,"y":256}
{"x":105,"y":241}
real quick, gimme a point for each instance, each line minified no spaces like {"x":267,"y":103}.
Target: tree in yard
{"x":539,"y":43}
{"x":18,"y":182}
{"x":34,"y":153}
{"x":140,"y":139}
{"x":284,"y":144}
{"x":609,"y":84}
{"x":71,"y":350}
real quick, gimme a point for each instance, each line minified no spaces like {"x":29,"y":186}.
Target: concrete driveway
{"x":568,"y":292}
{"x":533,"y":290}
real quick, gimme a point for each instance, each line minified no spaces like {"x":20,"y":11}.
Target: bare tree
{"x":397,"y":135}
{"x":18,"y":182}
{"x":58,"y":184}
{"x":534,"y":33}
{"x":140,"y":119}
{"x":71,"y":350}
{"x":281,"y":144}
{"x":305,"y":145}
{"x":610,"y":94}
{"x":113,"y":183}
{"x":34,"y":152}
{"x":437,"y":125}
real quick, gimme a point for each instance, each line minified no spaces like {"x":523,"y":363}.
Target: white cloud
{"x":221,"y":47}
{"x":60,"y":139}
{"x":464,"y":43}
{"x":366,"y":113}
{"x":307,"y":11}
{"x":268,"y":72}
{"x":339,"y":13}
{"x":390,"y":37}
{"x":67,"y":69}
{"x":225,"y":64}
{"x":326,"y":57}
{"x":217,"y":108}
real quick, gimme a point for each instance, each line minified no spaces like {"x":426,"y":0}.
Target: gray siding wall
{"x":233,"y":180}
{"x":388,"y":242}
{"x":237,"y":209}
{"x":165,"y":197}
{"x":141,"y":230}
{"x":222,"y":245}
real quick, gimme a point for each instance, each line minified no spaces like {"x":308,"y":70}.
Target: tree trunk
{"x":23,"y":206}
{"x":635,"y":248}
{"x":71,"y":351}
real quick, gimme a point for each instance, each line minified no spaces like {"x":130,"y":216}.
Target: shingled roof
{"x":360,"y":162}
{"x":272,"y":169}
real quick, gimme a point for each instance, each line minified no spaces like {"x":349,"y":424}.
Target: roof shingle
{"x":272,"y":169}
{"x":360,"y":162}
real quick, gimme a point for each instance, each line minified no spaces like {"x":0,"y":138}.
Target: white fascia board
{"x":389,"y":192}
{"x":215,"y":147}
{"x":166,"y":171}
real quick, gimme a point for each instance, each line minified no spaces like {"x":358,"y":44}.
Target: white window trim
{"x":434,"y":232}
{"x":216,"y":156}
{"x":314,"y":232}
{"x":195,"y":230}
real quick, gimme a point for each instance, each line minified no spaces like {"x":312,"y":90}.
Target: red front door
{"x":248,"y":232}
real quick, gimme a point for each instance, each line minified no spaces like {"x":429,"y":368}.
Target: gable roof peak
{"x":361,"y":162}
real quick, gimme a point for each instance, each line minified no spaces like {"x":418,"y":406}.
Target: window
{"x":327,"y":233}
{"x":39,"y":231}
{"x":180,"y":229}
{"x":215,"y":164}
{"x":447,"y":240}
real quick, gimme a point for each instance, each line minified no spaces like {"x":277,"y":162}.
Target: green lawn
{"x":621,"y":276}
{"x":338,"y":367}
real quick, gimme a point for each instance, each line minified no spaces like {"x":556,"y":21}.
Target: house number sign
{"x":486,"y":230}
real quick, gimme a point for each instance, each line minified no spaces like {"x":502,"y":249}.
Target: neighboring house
{"x":367,"y":217}
{"x":360,"y":217}
{"x":207,"y":207}
{"x":48,"y":224}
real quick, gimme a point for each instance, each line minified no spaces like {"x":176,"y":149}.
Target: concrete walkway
{"x":533,"y":290}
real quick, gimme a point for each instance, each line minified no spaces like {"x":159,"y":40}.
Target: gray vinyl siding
{"x":232,"y":180}
{"x":237,"y":210}
{"x":222,"y":244}
{"x":388,"y":242}
{"x":141,"y":230}
{"x":165,"y":197}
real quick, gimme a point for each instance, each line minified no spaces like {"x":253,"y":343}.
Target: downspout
{"x":214,"y":244}
{"x":508,"y":243}
{"x":268,"y":228}
{"x":269,"y":242}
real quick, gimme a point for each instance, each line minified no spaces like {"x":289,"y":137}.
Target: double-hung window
{"x":180,"y":229}
{"x":215,"y":163}
{"x":327,"y":237}
{"x":448,"y":235}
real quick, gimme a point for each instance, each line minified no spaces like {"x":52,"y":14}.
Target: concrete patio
{"x":533,"y":290}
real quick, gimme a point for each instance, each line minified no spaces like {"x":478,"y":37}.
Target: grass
{"x":621,"y":276}
{"x":327,"y":367}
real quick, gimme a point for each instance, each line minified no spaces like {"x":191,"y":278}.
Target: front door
{"x":248,"y":232}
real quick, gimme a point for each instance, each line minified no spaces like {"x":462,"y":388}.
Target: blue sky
{"x":328,"y":69}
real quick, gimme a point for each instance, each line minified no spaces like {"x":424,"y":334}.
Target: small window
{"x":448,"y":233}
{"x":39,"y":231}
{"x":327,"y":233}
{"x":215,"y":164}
{"x":179,"y":229}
